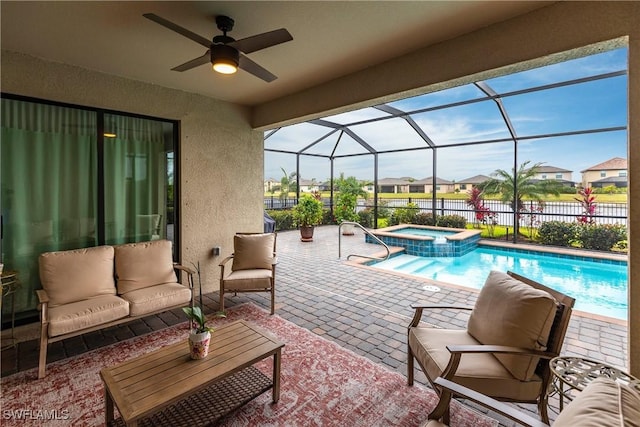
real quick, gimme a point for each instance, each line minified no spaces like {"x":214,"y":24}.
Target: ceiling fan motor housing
{"x":225,"y":53}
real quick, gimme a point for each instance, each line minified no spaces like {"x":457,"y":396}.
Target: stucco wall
{"x":221,"y":156}
{"x":560,"y":31}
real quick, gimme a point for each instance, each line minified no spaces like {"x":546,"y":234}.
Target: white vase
{"x":199,"y":344}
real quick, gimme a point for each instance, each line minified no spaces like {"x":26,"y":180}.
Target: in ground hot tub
{"x":428,"y":241}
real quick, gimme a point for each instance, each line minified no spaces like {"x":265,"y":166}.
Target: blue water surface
{"x":598,"y":287}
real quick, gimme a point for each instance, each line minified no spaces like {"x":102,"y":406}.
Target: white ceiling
{"x":331,"y":39}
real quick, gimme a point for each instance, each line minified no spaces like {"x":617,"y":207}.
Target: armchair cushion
{"x":140,"y":265}
{"x":509,"y":312}
{"x":76,"y":275}
{"x":479,"y":371}
{"x":603,"y":402}
{"x":248,"y":279}
{"x":253,"y":251}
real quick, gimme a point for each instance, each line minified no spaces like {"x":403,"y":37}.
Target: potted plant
{"x":200,"y":335}
{"x":345,"y":210}
{"x":307,"y":214}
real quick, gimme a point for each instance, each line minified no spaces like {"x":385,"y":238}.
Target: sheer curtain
{"x":135,"y":179}
{"x":48,"y":180}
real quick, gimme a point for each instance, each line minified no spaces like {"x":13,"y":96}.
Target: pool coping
{"x":362,"y":263}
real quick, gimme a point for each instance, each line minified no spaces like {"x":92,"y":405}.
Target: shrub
{"x":601,"y":237}
{"x":557,"y":233}
{"x":283,"y":218}
{"x":404,"y":215}
{"x":327,"y":218}
{"x":383,"y":209}
{"x":451,"y":221}
{"x":425,"y":218}
{"x":365,"y":217}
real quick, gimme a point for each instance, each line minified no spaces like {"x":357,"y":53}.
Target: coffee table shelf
{"x":210,"y":405}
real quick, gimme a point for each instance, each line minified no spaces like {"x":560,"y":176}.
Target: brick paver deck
{"x":360,"y":308}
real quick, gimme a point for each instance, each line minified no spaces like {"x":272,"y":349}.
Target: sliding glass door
{"x":76,"y":177}
{"x":135,"y":178}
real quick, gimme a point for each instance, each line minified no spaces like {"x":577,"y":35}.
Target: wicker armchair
{"x":515,"y":328}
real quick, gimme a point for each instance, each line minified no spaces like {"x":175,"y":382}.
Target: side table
{"x":573,"y":374}
{"x":10,"y":285}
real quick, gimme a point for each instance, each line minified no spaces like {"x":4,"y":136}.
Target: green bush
{"x":451,"y":221}
{"x":365,"y":217}
{"x":383,"y":209}
{"x":557,"y":233}
{"x":404,"y":215}
{"x":283,"y":218}
{"x":601,"y":237}
{"x":327,"y":218}
{"x":425,"y":218}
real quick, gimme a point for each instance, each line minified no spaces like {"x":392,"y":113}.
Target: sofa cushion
{"x":509,"y":312}
{"x":604,"y":402}
{"x":253,"y":251}
{"x":478,"y":371}
{"x":144,"y":264}
{"x":75,"y":275}
{"x":85,"y":314}
{"x":155,"y":298}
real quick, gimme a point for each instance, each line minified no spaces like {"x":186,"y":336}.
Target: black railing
{"x":606,"y":213}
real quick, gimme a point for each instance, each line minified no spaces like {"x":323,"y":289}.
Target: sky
{"x":590,"y":105}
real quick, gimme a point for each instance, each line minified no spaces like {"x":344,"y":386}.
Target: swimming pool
{"x":599,"y":286}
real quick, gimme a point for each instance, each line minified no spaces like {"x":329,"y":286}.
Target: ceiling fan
{"x":224,"y":52}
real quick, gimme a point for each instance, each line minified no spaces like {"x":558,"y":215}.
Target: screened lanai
{"x":568,"y":117}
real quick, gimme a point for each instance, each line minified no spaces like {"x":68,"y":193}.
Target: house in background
{"x":554,"y":173}
{"x":270,"y":184}
{"x":308,"y":185}
{"x":394,"y":185}
{"x":425,"y":185}
{"x":469,"y":183}
{"x":612,"y":172}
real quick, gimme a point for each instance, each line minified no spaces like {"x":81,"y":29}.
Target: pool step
{"x":410,"y":264}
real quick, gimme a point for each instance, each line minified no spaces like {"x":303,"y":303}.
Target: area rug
{"x":322,"y":384}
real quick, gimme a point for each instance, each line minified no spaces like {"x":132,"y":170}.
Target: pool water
{"x":599,"y":287}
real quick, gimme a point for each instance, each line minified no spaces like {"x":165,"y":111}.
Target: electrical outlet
{"x":216,"y":251}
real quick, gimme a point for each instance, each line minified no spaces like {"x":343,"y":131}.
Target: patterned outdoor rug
{"x":323,"y":384}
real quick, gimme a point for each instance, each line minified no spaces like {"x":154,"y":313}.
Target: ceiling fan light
{"x":224,"y":59}
{"x":224,"y":68}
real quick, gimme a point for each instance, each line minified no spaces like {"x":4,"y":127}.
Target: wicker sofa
{"x":89,"y":289}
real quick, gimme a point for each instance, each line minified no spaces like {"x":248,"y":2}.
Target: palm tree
{"x":507,"y":183}
{"x":287,"y":183}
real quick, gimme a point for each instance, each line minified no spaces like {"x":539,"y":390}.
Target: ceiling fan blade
{"x":178,"y":29}
{"x":196,"y":62}
{"x":262,"y":41}
{"x":255,"y":69}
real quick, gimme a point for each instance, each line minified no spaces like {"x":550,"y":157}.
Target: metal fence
{"x":606,"y":213}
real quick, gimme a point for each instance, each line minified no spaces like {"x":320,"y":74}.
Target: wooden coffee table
{"x":167,"y":387}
